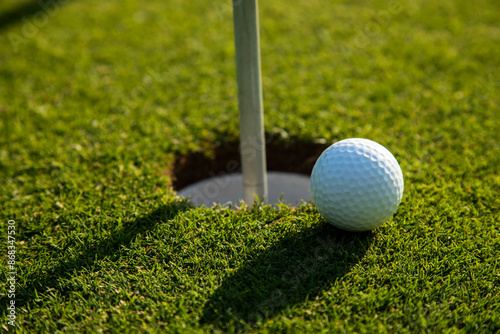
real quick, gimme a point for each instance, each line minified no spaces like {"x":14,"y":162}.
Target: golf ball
{"x":356,"y":184}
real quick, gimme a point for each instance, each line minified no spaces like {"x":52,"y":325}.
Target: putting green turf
{"x":97,"y":98}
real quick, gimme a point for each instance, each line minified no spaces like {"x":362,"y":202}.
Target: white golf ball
{"x":357,"y":184}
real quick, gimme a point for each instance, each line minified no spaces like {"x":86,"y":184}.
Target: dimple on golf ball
{"x":356,"y":184}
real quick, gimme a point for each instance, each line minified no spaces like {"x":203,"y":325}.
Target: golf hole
{"x":215,"y":177}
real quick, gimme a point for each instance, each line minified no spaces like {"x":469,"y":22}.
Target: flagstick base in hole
{"x":289,"y":188}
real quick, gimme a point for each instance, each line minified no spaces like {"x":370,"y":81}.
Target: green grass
{"x":98,"y":98}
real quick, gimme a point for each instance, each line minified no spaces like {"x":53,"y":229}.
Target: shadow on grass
{"x":27,"y":11}
{"x":290,"y":272}
{"x":48,"y":279}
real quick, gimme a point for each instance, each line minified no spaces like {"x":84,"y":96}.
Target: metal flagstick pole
{"x":248,"y":68}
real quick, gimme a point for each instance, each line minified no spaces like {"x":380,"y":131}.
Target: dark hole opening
{"x":293,"y":157}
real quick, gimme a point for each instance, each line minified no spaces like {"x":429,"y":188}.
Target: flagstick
{"x":248,"y":68}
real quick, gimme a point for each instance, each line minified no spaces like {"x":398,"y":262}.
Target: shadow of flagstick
{"x":292,"y":271}
{"x":45,"y":279}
